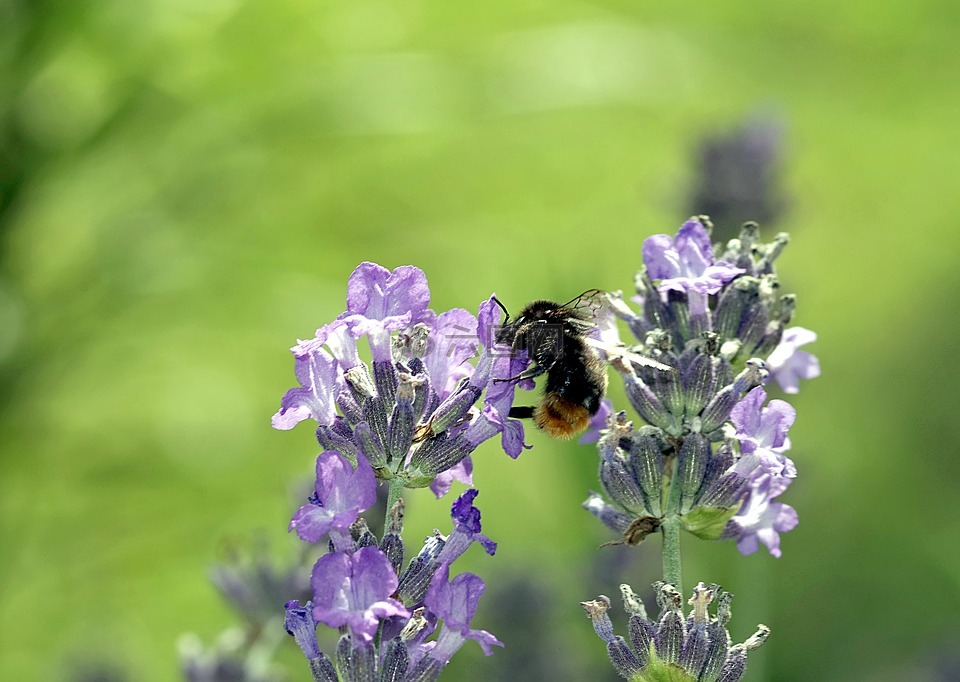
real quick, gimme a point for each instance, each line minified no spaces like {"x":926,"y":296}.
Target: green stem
{"x":670,"y":528}
{"x":394,"y":493}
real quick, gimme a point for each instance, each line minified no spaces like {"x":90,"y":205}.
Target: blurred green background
{"x":187,"y":185}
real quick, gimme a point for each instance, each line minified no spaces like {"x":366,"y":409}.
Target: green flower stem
{"x":670,"y":528}
{"x":394,"y":493}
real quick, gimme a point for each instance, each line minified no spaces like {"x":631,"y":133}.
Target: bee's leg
{"x":528,"y":373}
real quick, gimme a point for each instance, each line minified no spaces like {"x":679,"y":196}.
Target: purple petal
{"x":312,"y":521}
{"x":787,"y":364}
{"x":745,"y":415}
{"x":660,"y":258}
{"x":466,"y":517}
{"x":453,"y":340}
{"x":455,"y":602}
{"x":376,"y":293}
{"x":318,"y":374}
{"x":355,"y":590}
{"x":693,"y":246}
{"x":462,"y":471}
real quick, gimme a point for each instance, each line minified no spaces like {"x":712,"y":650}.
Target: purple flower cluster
{"x":414,"y":411}
{"x":357,"y":588}
{"x":672,"y":647}
{"x":719,"y":326}
{"x":411,"y":417}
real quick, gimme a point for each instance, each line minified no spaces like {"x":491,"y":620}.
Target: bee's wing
{"x":613,"y":350}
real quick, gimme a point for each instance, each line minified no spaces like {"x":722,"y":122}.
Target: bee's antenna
{"x":506,"y":313}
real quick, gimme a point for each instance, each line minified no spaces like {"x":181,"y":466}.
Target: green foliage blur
{"x":185,"y":187}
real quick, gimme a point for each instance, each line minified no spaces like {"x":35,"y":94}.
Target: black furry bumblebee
{"x":555,"y":338}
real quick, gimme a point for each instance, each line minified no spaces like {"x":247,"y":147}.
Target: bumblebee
{"x":554,"y":336}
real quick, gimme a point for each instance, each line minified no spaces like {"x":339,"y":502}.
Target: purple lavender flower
{"x":762,"y":431}
{"x":685,"y":264}
{"x":760,"y":519}
{"x":354,"y":590}
{"x":466,"y":529}
{"x":340,"y":494}
{"x":788,"y":365}
{"x":321,"y":379}
{"x":455,"y":603}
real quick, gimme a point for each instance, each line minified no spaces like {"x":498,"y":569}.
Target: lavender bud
{"x":349,"y":406}
{"x":400,"y":430}
{"x":670,"y":629}
{"x":716,"y":652}
{"x":363,"y":664}
{"x":395,"y":661}
{"x":668,"y":388}
{"x":625,"y":662}
{"x":642,"y":634}
{"x":385,"y":379}
{"x":691,"y":466}
{"x":621,"y":486}
{"x":427,"y":670}
{"x":369,"y":444}
{"x":645,"y":402}
{"x":697,"y":384}
{"x":343,"y":656}
{"x":375,"y":414}
{"x":454,"y":409}
{"x":597,"y":609}
{"x":609,"y":516}
{"x":718,"y":410}
{"x":646,"y":466}
{"x":735,"y":665}
{"x":742,"y":293}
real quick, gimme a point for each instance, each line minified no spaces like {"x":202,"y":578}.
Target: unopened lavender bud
{"x":754,"y":325}
{"x":395,"y":661}
{"x":363,"y":663}
{"x":343,"y":656}
{"x":385,"y":379}
{"x":400,"y":430}
{"x":370,"y":445}
{"x":334,"y":439}
{"x":718,"y":410}
{"x":698,"y":381}
{"x":427,"y":670}
{"x":696,"y":648}
{"x":620,"y":485}
{"x":716,"y":652}
{"x":350,"y":407}
{"x":453,"y":410}
{"x":646,"y":466}
{"x":375,"y":414}
{"x":392,"y":543}
{"x":440,"y":453}
{"x":742,"y":293}
{"x":669,"y":389}
{"x":642,"y":635}
{"x":625,"y":662}
{"x":671,"y":627}
{"x":691,"y":466}
{"x":735,"y":665}
{"x":645,"y":402}
{"x":608,"y":515}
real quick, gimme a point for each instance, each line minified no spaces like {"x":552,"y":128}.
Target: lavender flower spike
{"x":341,"y":493}
{"x":354,"y":590}
{"x":788,"y":365}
